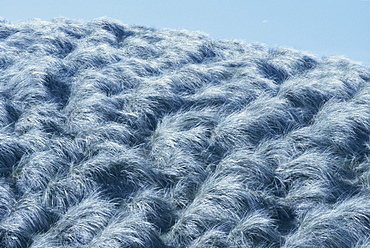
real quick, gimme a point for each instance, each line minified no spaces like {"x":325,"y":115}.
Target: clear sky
{"x":322,"y":27}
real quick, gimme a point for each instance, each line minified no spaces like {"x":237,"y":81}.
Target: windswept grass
{"x":127,"y":136}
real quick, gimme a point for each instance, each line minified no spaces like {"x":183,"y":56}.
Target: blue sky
{"x":322,"y":27}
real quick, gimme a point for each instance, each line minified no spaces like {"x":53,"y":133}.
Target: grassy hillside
{"x":125,"y":136}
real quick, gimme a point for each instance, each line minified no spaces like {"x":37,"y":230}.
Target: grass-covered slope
{"x":124,"y":136}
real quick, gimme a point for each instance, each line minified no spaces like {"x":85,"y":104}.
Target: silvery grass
{"x":126,"y":136}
